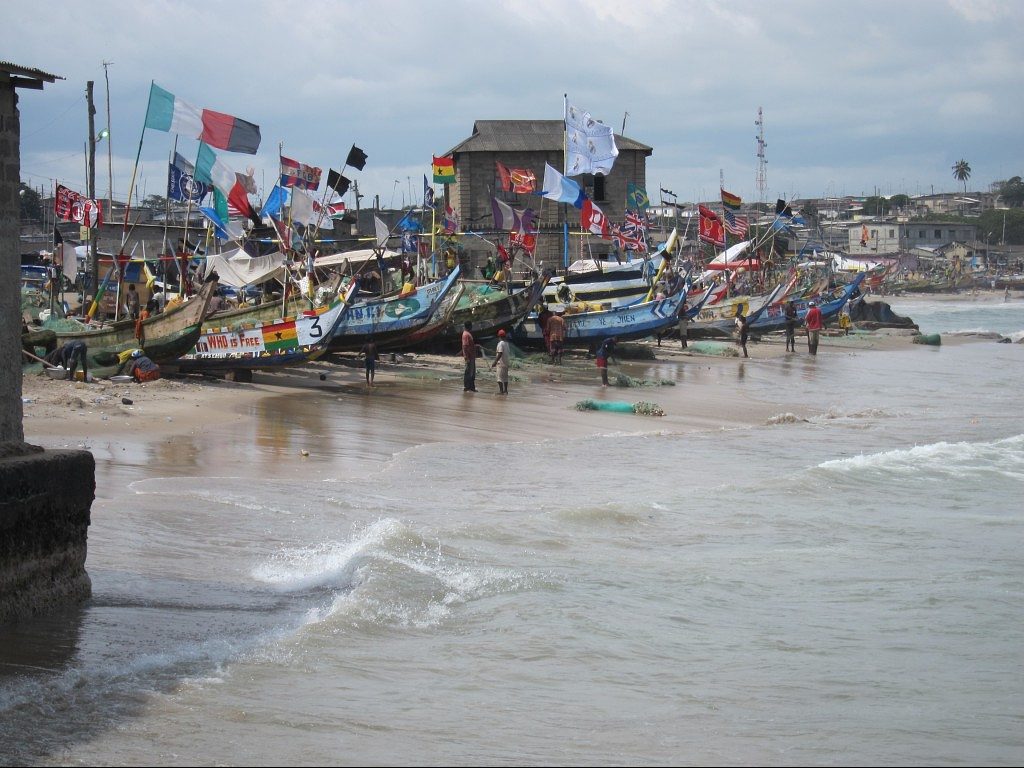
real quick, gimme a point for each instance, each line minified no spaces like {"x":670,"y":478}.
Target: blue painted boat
{"x":388,"y":320}
{"x":636,"y":321}
{"x":773,"y":318}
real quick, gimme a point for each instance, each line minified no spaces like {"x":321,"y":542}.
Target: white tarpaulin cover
{"x":238,"y":269}
{"x":353,"y":258}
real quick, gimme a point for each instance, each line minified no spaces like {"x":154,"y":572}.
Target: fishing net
{"x":716,"y":348}
{"x":622,"y":380}
{"x":644,"y":409}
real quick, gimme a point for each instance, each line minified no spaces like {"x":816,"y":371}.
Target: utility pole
{"x":94,"y":266}
{"x":110,"y":159}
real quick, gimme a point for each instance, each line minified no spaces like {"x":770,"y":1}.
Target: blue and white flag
{"x":560,"y":189}
{"x":590,"y":144}
{"x":181,"y":182}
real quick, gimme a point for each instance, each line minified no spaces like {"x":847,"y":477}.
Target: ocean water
{"x":841,"y":583}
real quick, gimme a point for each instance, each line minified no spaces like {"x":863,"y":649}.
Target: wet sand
{"x":418,"y":398}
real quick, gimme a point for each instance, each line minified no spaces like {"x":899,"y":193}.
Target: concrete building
{"x":529,"y":144}
{"x":887,"y":237}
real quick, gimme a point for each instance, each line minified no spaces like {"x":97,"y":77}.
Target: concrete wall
{"x":44,"y":521}
{"x":10,"y":271}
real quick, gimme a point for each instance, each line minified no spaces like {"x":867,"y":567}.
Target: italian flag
{"x":212,"y":170}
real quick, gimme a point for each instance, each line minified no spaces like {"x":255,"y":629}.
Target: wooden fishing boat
{"x":253,"y":338}
{"x":585,"y":329}
{"x":388,"y":320}
{"x":164,"y":336}
{"x":719,"y":320}
{"x":491,"y":308}
{"x":773,"y":318}
{"x":435,"y":326}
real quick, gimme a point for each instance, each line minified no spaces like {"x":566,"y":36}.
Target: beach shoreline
{"x":685,"y":383}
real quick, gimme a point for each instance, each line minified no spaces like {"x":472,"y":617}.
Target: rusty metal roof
{"x":26,"y":77}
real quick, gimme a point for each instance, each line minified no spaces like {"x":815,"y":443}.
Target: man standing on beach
{"x":791,"y":317}
{"x":501,"y":361}
{"x":469,"y":353}
{"x":370,"y":350}
{"x":742,"y":330}
{"x":814,"y":325}
{"x":603,"y":353}
{"x":556,"y":335}
{"x":684,"y":322}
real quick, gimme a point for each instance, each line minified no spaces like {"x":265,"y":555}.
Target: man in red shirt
{"x":814,"y":325}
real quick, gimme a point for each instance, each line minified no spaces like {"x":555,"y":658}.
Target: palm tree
{"x":962,"y":172}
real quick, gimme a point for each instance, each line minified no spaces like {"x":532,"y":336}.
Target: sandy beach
{"x":417,"y":398}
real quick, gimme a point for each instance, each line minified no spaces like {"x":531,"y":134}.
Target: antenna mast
{"x":761,"y":180}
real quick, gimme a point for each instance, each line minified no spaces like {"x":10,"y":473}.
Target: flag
{"x":508,"y":218}
{"x":522,"y":181}
{"x":451,"y":220}
{"x":409,"y":223}
{"x":781,"y":209}
{"x":166,"y":112}
{"x":410,"y":242}
{"x":561,"y":189}
{"x":635,"y":229}
{"x":356,"y":158}
{"x":636,"y":197}
{"x":296,"y":174}
{"x":736,"y":225}
{"x":223,"y":230}
{"x":593,"y":219}
{"x":428,"y":193}
{"x":337,"y":182}
{"x":730,"y":201}
{"x":210,"y":169}
{"x":525,"y":240}
{"x":591,"y":144}
{"x":381,"y":230}
{"x":283,"y":232}
{"x":444,"y":170}
{"x":302,"y":207}
{"x":181,"y":183}
{"x":711,"y":229}
{"x":71,"y":206}
{"x":335,"y":210}
{"x":280,"y":335}
{"x":275,"y":202}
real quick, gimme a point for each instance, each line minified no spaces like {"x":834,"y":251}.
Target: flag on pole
{"x":508,"y":218}
{"x":590,"y":144}
{"x":356,"y":158}
{"x":296,"y":174}
{"x":428,"y":193}
{"x":210,"y":169}
{"x":522,"y":181}
{"x":736,"y":225}
{"x":275,"y":202}
{"x":711,"y":229}
{"x":636,"y":197}
{"x":591,"y":218}
{"x":71,"y":206}
{"x":223,"y":230}
{"x":302,"y":207}
{"x":444,"y":170}
{"x":381,"y":230}
{"x":166,"y":112}
{"x":451,"y":220}
{"x":337,"y":182}
{"x":731,"y":201}
{"x":181,"y":182}
{"x":560,"y":189}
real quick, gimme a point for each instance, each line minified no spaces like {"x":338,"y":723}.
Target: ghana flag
{"x":278,"y":336}
{"x":444,"y":170}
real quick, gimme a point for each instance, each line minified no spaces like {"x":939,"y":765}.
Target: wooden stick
{"x":39,"y":359}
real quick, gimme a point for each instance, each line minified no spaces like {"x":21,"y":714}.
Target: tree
{"x":1012,"y":191}
{"x":31,"y":203}
{"x":995,"y":221}
{"x":962,"y":172}
{"x":155,"y":202}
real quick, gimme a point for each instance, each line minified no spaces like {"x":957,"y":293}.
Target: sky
{"x":857,"y":98}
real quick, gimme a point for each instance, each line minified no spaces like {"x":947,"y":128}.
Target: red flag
{"x":525,"y":240}
{"x":707,"y":213}
{"x":71,"y":206}
{"x":711,"y":230}
{"x":591,"y":218}
{"x":505,"y":176}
